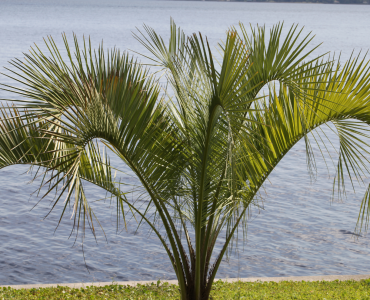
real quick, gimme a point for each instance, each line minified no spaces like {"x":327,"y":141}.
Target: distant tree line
{"x":310,"y":1}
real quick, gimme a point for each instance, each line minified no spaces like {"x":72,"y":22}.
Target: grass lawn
{"x":221,"y":290}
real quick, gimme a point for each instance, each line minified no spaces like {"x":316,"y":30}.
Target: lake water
{"x":300,"y":232}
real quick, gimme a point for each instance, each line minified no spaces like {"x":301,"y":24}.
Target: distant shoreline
{"x":336,"y":2}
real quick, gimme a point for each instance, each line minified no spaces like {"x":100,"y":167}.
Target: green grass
{"x":221,"y":290}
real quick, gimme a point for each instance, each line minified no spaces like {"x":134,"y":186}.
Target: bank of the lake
{"x":351,"y":2}
{"x":227,"y":289}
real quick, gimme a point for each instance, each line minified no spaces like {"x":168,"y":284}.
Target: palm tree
{"x":201,"y":146}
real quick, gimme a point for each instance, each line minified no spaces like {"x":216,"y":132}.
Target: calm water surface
{"x":298,"y":233}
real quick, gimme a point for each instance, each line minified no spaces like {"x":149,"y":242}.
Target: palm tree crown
{"x":202,"y":148}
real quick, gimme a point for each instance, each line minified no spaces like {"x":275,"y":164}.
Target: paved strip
{"x":134,"y":283}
